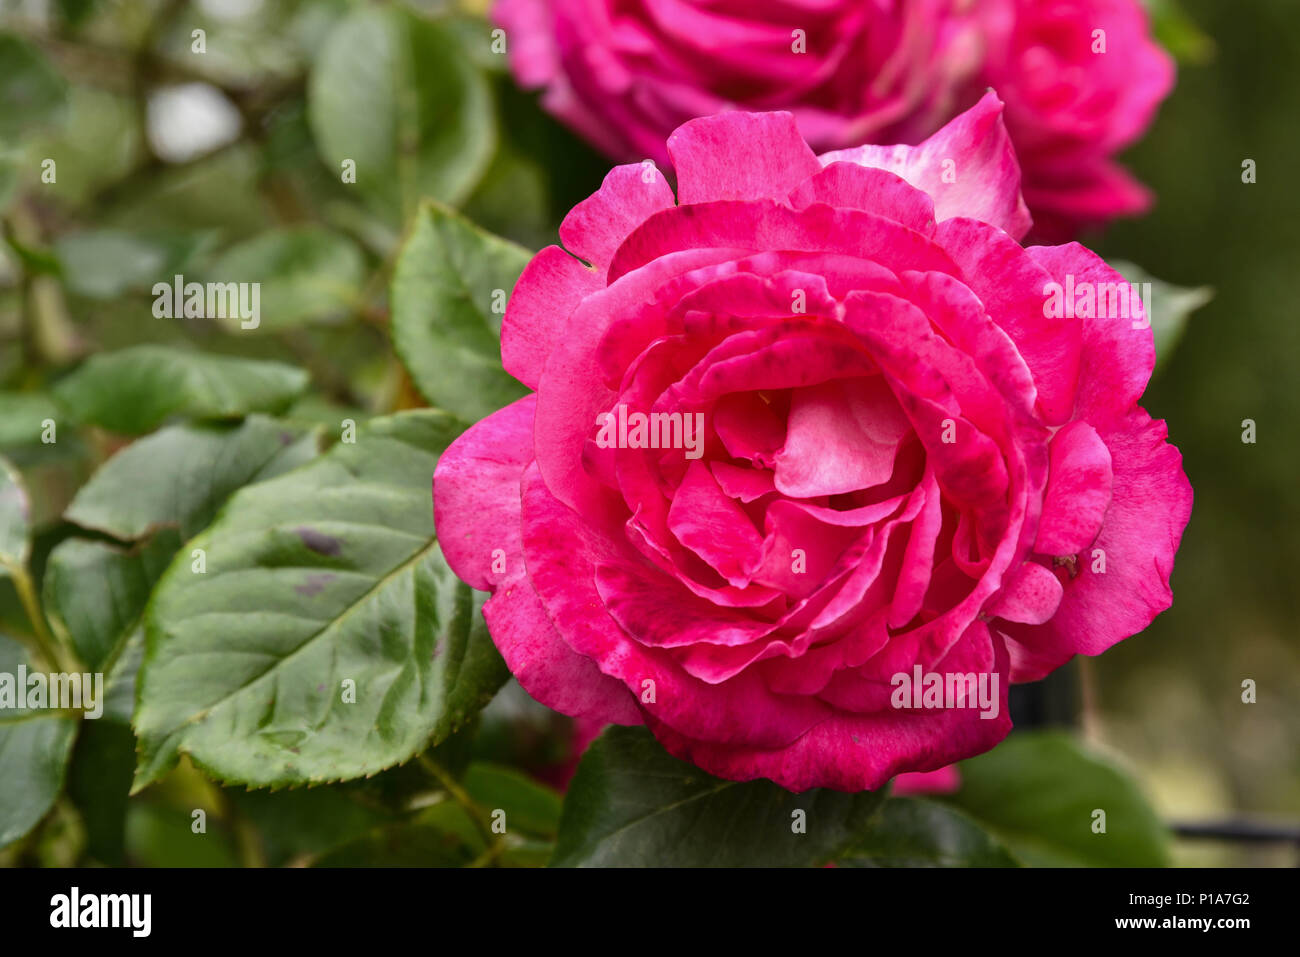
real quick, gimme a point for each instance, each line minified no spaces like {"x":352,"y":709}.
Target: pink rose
{"x":625,"y":75}
{"x":875,"y":460}
{"x":1081,"y":80}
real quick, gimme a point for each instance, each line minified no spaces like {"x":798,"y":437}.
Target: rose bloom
{"x":626,"y":74}
{"x":888,"y":460}
{"x":1081,"y":80}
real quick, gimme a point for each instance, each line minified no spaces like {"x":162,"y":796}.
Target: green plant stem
{"x":461,"y":797}
{"x":46,"y":646}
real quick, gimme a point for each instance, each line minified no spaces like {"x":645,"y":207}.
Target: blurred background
{"x":175,"y":159}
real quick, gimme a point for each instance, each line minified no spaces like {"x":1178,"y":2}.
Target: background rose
{"x":1074,"y":98}
{"x":626,"y":75}
{"x":833,"y":320}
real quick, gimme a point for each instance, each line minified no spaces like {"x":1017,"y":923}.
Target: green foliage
{"x":323,"y":636}
{"x":448,"y":278}
{"x":910,"y":832}
{"x":138,"y":389}
{"x":1041,"y":792}
{"x":632,"y":804}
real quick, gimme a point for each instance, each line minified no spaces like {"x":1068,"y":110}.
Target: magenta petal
{"x":842,"y":437}
{"x":1122,"y":582}
{"x":596,"y":227}
{"x":747,"y":485}
{"x":1013,"y":283}
{"x":1031,"y":595}
{"x":476,"y":498}
{"x":547,"y":292}
{"x":1118,"y":353}
{"x":855,"y":752}
{"x":776,"y":158}
{"x":969,"y":168}
{"x":1078,"y":491}
{"x":867,"y":187}
{"x":548,"y":669}
{"x":713,"y":526}
{"x":658,"y":614}
{"x":562,"y":552}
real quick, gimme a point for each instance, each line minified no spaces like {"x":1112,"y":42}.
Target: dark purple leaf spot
{"x":319,"y":543}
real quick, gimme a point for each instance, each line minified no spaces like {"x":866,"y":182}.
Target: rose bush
{"x":902,"y":461}
{"x":626,"y":75}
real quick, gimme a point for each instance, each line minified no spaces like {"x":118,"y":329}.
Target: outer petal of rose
{"x":871,"y":188}
{"x":549,"y":670}
{"x":1013,"y":283}
{"x":944,"y":781}
{"x":476,"y":488}
{"x":1078,"y":491}
{"x":855,"y":752}
{"x":596,"y":227}
{"x":548,"y":290}
{"x":969,"y":168}
{"x":1117,"y":359}
{"x":704,"y":154}
{"x":476,"y":495}
{"x":1149,"y":509}
{"x":759,"y":225}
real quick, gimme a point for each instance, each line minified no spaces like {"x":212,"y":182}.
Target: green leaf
{"x":156,"y":492}
{"x":94,"y":592}
{"x":530,"y":807}
{"x":134,"y":390}
{"x":22,"y":418}
{"x":179,"y":476}
{"x":304,"y":821}
{"x":32,"y":94}
{"x":15,"y":544}
{"x":911,"y":832}
{"x":34,"y":751}
{"x":444,"y":326}
{"x":119,"y":683}
{"x":441,"y":836}
{"x":305,"y":273}
{"x":1171,"y":306}
{"x":1038,"y":791}
{"x":108,"y":263}
{"x":397,"y":95}
{"x":327,"y":574}
{"x":158,"y":836}
{"x":633,"y":804}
